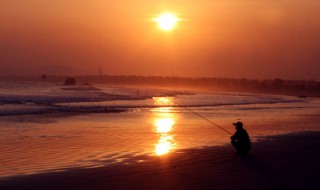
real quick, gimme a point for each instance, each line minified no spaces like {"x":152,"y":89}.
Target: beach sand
{"x":276,"y":162}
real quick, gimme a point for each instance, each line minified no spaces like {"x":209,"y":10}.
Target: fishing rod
{"x":204,"y":118}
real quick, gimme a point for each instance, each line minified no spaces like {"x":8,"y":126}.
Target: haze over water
{"x":212,"y":38}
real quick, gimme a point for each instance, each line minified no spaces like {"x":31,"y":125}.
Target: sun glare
{"x":167,"y":21}
{"x":164,"y":125}
{"x":164,"y":145}
{"x":163,"y":101}
{"x":164,"y":120}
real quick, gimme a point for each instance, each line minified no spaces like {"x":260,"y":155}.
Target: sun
{"x":166,"y":21}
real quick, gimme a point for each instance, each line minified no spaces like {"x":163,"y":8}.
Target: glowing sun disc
{"x":166,"y":21}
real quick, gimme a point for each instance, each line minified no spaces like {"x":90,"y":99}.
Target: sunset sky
{"x":213,"y":38}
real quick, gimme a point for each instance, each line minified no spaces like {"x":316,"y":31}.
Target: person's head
{"x":238,"y":125}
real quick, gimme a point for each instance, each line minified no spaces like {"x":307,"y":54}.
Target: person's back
{"x":240,"y":140}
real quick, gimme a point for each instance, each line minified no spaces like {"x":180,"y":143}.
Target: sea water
{"x":47,"y":127}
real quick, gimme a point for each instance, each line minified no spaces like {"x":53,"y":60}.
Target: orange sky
{"x":215,"y":38}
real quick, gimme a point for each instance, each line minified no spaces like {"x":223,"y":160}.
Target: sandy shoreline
{"x":276,"y":162}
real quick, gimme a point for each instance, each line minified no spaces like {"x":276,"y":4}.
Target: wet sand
{"x":275,"y":162}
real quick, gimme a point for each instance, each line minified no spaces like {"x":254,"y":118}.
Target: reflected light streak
{"x":164,"y":145}
{"x":163,"y":123}
{"x":162,"y":110}
{"x":163,"y":101}
{"x":164,"y":126}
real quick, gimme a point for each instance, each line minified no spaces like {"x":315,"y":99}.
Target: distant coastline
{"x":299,"y":88}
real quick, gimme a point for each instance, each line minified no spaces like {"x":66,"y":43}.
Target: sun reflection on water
{"x":163,"y":101}
{"x":163,"y":122}
{"x":164,"y":145}
{"x":163,"y":125}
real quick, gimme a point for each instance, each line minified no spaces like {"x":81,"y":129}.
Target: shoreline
{"x":275,"y":162}
{"x":287,"y":87}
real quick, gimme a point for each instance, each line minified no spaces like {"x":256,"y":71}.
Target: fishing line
{"x":204,"y":118}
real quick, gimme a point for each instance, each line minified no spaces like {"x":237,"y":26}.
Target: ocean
{"x":46,"y":127}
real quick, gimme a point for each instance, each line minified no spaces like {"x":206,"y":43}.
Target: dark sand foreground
{"x":278,"y":162}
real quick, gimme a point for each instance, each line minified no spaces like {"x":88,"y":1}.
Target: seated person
{"x":240,"y":140}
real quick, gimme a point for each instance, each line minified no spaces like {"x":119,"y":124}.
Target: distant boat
{"x":70,"y":81}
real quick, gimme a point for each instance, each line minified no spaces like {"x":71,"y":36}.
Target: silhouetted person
{"x":240,"y":140}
